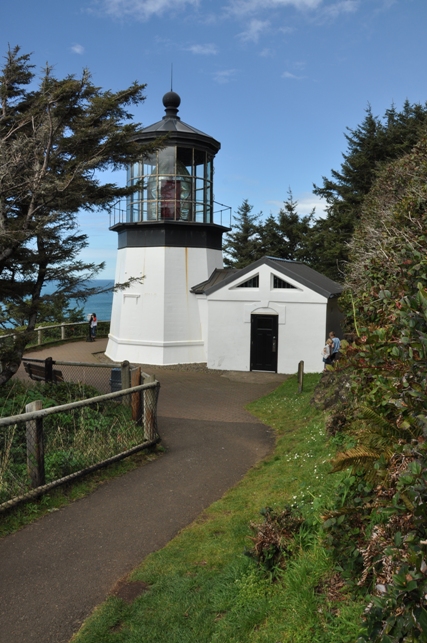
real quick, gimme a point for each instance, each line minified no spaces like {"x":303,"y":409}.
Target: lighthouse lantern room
{"x":169,"y":241}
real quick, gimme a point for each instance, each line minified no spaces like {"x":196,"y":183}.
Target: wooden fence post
{"x":300,"y":376}
{"x":125,"y":381}
{"x":35,"y":446}
{"x":149,"y":410}
{"x":62,"y":331}
{"x":48,"y":366}
{"x":135,"y":380}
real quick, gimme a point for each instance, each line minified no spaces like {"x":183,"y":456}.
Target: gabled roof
{"x":296,"y":270}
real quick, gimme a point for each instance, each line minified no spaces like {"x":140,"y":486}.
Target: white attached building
{"x":267,"y":316}
{"x":186,"y":308}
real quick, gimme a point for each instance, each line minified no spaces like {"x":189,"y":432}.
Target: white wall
{"x":302,"y":321}
{"x":157,"y":321}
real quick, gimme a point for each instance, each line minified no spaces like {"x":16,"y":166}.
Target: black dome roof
{"x":178,"y":132}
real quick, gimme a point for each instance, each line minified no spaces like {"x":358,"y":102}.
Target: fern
{"x":361,"y":458}
{"x":377,"y":435}
{"x":384,"y":428}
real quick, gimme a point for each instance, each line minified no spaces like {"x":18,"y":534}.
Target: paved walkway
{"x":55,"y":571}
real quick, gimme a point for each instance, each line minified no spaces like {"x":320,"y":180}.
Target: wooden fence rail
{"x":63,"y":326}
{"x":143,"y":401}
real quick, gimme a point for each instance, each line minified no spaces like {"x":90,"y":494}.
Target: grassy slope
{"x":202,"y":588}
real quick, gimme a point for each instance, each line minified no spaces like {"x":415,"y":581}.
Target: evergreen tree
{"x":53,"y":311}
{"x":242,"y":245}
{"x":285,"y":236}
{"x":270,"y":239}
{"x":54,"y":141}
{"x":294,"y":230}
{"x":370,"y":146}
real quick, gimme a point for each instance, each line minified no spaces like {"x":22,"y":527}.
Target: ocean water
{"x":100,"y":304}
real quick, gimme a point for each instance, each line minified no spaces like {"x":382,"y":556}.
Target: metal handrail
{"x":118,"y":214}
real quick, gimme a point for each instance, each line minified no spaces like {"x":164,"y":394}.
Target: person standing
{"x":327,"y":353}
{"x":336,"y":345}
{"x":93,"y":325}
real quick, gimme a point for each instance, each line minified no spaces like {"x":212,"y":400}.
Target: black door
{"x":264,"y":343}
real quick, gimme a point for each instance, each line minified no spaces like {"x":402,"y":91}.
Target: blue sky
{"x":275,"y":81}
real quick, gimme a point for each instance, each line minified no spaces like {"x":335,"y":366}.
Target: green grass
{"x":202,"y":588}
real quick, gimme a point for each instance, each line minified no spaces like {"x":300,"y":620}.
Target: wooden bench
{"x":37,"y":372}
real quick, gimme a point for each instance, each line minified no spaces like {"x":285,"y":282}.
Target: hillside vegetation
{"x":383,"y":540}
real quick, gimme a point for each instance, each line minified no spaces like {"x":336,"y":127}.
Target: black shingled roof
{"x":177,"y":132}
{"x":296,"y":270}
{"x":217,"y":277}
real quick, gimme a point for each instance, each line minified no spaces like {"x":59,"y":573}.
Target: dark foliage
{"x":55,"y":140}
{"x":242,"y":244}
{"x":274,"y":540}
{"x":370,"y":146}
{"x":378,"y":529}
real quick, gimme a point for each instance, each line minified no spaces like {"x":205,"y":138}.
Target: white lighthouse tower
{"x":169,"y":240}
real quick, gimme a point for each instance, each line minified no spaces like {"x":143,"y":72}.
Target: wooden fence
{"x":60,"y":332}
{"x":85,"y":431}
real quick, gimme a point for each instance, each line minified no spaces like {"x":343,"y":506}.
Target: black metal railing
{"x":221,"y":214}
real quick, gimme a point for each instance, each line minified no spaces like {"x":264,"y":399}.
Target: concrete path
{"x":55,"y":571}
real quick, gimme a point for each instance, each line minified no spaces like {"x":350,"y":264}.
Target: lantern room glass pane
{"x":199,"y":163}
{"x":166,"y":162}
{"x":176,"y":185}
{"x":184,"y":155}
{"x":136,"y":170}
{"x":209,"y":169}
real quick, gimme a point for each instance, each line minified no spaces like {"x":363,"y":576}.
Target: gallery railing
{"x":221,"y":214}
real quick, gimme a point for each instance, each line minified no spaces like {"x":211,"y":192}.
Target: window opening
{"x":280,"y":283}
{"x":250,"y":283}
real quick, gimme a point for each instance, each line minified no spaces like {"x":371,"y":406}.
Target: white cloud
{"x":77,"y":49}
{"x":320,"y":8}
{"x":143,"y":9}
{"x":287,"y":74}
{"x":224,"y":76}
{"x":286,"y":30}
{"x":254,"y":30}
{"x":344,"y":6}
{"x":203,"y":50}
{"x":307,"y":201}
{"x":242,"y":7}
